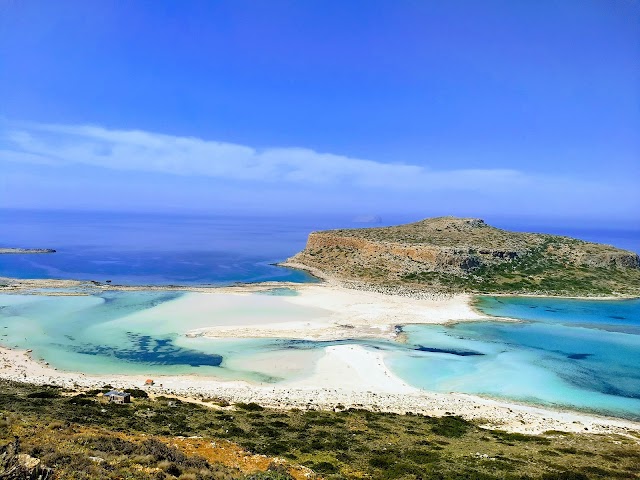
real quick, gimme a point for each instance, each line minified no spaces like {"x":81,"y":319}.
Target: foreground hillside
{"x":449,"y":254}
{"x":72,"y":435}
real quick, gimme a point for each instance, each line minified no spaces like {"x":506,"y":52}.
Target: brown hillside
{"x":466,"y":254}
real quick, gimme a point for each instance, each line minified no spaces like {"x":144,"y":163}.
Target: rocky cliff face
{"x":459,"y":254}
{"x":325,"y":247}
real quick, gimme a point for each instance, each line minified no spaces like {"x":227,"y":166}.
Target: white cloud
{"x":187,"y":156}
{"x":145,"y":170}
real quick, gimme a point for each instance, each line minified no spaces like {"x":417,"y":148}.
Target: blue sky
{"x":493,"y":108}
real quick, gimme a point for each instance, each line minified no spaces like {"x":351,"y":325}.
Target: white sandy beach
{"x":347,"y":376}
{"x":342,"y":376}
{"x":336,"y":313}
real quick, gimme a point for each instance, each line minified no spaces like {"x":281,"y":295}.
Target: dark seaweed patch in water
{"x":155,"y":351}
{"x":611,"y":327}
{"x":145,"y":301}
{"x":610,"y":389}
{"x":579,"y":356}
{"x":600,"y":384}
{"x":307,"y":344}
{"x":296,"y":344}
{"x":279,"y":292}
{"x":460,"y":353}
{"x":594,"y":381}
{"x":617,"y":317}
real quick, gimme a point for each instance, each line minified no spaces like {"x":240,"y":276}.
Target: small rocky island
{"x":26,"y":250}
{"x":450,"y":255}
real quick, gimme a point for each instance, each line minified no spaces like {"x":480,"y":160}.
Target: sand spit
{"x":47,"y":286}
{"x":348,"y":314}
{"x":348,"y":376}
{"x":335,"y":312}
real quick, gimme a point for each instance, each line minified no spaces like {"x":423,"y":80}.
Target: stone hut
{"x":118,"y":397}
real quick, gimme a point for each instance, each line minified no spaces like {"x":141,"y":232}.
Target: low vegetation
{"x":466,"y":255}
{"x":79,"y":436}
{"x":535,"y":272}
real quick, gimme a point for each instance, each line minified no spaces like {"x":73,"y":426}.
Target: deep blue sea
{"x":569,"y":353}
{"x":188,"y":249}
{"x":153,"y":249}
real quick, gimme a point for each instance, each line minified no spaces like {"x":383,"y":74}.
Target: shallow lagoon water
{"x":568,"y":353}
{"x":142,"y":332}
{"x":578,"y":353}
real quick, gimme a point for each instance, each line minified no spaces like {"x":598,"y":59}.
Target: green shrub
{"x":136,"y":393}
{"x":269,"y":476}
{"x":450,"y":426}
{"x":251,"y":407}
{"x":49,"y":393}
{"x":564,"y":476}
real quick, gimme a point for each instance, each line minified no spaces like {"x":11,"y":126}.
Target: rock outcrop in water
{"x":27,"y":250}
{"x":466,"y":254}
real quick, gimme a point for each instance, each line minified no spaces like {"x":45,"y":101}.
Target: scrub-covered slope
{"x":465,"y":254}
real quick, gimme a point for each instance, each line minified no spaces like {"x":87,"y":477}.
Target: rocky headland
{"x":453,"y":255}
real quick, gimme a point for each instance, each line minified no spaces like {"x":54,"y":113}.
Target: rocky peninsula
{"x":466,"y":255}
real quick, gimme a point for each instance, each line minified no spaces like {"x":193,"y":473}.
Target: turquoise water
{"x":580,"y":354}
{"x":139,"y":333}
{"x":572,"y":353}
{"x":569,"y":353}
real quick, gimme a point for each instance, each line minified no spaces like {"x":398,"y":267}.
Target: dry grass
{"x":148,"y":439}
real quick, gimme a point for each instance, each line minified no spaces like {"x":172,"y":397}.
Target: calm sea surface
{"x":570,"y":353}
{"x":178,"y":249}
